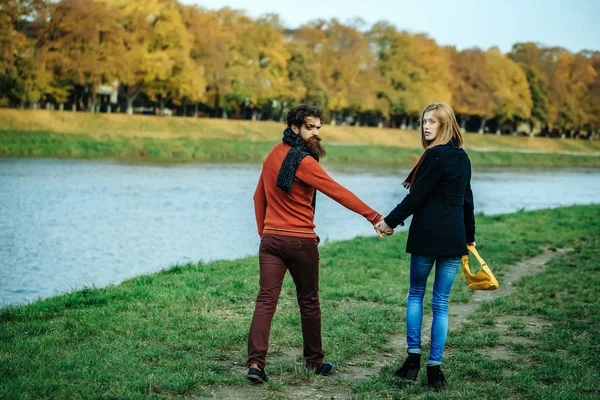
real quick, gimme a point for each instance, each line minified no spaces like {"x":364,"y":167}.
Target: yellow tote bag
{"x":482,"y":280}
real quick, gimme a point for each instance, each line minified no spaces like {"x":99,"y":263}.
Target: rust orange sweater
{"x":291,"y":213}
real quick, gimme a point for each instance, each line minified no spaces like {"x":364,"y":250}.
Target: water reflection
{"x":71,"y":223}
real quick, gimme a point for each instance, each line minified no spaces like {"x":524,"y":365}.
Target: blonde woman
{"x":441,"y":203}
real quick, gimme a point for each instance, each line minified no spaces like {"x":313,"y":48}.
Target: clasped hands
{"x":381,"y":228}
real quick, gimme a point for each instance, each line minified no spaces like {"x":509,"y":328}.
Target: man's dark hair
{"x":297,"y":114}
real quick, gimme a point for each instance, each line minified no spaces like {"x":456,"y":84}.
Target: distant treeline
{"x":163,"y":57}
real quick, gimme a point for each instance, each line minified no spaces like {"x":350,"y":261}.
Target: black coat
{"x":441,"y":202}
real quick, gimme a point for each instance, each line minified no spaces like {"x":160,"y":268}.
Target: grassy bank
{"x":27,"y":133}
{"x":199,"y":149}
{"x":182,"y":332}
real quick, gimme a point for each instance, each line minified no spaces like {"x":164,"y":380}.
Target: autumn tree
{"x":576,"y":74}
{"x":530,"y":58}
{"x":415,"y":70}
{"x":260,"y":68}
{"x":134,"y":16}
{"x":24,"y":76}
{"x":83,"y":44}
{"x":168,"y":46}
{"x":471,"y":93}
{"x":508,"y":87}
{"x":211,"y":44}
{"x":489,"y":85}
{"x":559,"y":82}
{"x":214,"y":37}
{"x":11,"y":40}
{"x":591,"y":100}
{"x":304,"y":71}
{"x":343,"y":65}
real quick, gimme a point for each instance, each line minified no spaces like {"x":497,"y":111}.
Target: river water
{"x":66,"y":224}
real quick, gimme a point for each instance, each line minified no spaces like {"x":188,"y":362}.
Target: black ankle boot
{"x":410,"y":369}
{"x":435,"y":378}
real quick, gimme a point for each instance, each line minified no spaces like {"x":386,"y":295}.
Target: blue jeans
{"x":445,"y":271}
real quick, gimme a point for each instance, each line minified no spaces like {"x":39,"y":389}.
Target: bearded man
{"x":284,"y":204}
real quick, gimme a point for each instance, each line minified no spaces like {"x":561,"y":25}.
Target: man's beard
{"x":315,"y":148}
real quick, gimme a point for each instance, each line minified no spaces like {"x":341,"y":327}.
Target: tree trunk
{"x":482,"y":126}
{"x":336,"y":118}
{"x":196,"y":110}
{"x":92,"y":101}
{"x":130,"y":100}
{"x":130,"y":92}
{"x":531,"y":126}
{"x":463,"y":124}
{"x":161,"y":103}
{"x":217,"y":101}
{"x":403,"y":124}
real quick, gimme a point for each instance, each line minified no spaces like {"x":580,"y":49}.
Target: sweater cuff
{"x":392,"y":223}
{"x":376,"y":219}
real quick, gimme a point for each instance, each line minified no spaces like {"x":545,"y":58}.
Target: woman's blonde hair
{"x":448,"y":128}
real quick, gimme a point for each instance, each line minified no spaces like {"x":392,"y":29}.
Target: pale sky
{"x":574,"y":24}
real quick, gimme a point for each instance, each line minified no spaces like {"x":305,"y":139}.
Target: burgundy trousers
{"x":300,"y":256}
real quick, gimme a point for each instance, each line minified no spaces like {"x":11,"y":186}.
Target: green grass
{"x":556,"y":360}
{"x":182,"y":332}
{"x":188,"y":149}
{"x":182,"y":149}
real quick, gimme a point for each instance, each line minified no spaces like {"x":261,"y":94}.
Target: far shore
{"x":55,"y":134}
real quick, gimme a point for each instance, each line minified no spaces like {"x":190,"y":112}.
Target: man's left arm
{"x":310,"y":172}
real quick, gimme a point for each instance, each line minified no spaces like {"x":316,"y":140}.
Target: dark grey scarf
{"x":299,"y":150}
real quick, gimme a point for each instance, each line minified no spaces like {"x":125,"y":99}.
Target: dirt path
{"x":529,"y":267}
{"x":337,"y":386}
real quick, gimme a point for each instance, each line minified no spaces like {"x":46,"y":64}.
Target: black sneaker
{"x":256,"y":375}
{"x":323,"y":369}
{"x":435,"y":378}
{"x":410,"y":369}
